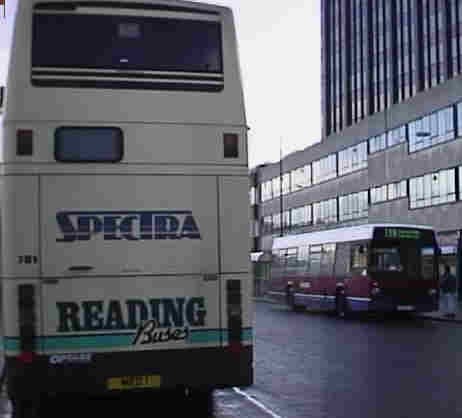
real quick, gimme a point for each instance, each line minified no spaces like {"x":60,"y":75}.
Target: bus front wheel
{"x":340,"y":304}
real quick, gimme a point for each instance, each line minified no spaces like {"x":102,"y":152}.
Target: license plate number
{"x":405,"y":308}
{"x":133,"y":382}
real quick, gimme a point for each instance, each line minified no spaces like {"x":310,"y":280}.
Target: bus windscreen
{"x":411,"y":252}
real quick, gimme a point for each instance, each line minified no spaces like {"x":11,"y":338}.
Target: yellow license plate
{"x":133,"y":382}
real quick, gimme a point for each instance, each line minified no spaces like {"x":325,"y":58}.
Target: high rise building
{"x":376,"y":53}
{"x":391,"y":150}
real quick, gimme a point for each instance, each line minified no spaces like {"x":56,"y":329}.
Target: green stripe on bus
{"x":111,"y":340}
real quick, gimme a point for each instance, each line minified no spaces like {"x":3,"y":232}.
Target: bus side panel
{"x":20,"y":226}
{"x":20,"y":258}
{"x":234,"y":225}
{"x":237,"y":285}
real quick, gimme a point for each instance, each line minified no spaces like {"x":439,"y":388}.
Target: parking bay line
{"x":256,"y":403}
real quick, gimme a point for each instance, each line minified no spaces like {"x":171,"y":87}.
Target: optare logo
{"x":127,"y":225}
{"x":78,"y":358}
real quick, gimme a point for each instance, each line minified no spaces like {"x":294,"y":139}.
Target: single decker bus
{"x":379,"y":268}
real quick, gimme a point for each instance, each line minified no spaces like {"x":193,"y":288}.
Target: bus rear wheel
{"x":24,"y":409}
{"x":290,"y":297}
{"x":200,"y":402}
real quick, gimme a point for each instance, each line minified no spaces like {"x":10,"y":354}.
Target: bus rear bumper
{"x":205,"y":368}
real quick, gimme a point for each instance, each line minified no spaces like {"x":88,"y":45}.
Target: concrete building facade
{"x":391,"y":149}
{"x":377,"y":53}
{"x":401,"y":165}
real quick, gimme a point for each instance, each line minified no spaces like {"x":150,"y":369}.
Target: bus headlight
{"x":432,"y":292}
{"x":375,"y":291}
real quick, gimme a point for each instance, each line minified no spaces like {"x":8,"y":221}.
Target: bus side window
{"x":327,"y":259}
{"x":277,"y":264}
{"x":303,"y":260}
{"x":342,"y":259}
{"x":291,"y":261}
{"x":359,"y":257}
{"x":315,"y":261}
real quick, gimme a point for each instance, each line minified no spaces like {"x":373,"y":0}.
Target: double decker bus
{"x":379,"y":268}
{"x":124,"y":180}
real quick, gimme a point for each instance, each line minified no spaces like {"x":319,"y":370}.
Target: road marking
{"x":256,"y":403}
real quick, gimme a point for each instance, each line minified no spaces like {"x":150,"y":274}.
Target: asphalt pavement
{"x":315,"y":365}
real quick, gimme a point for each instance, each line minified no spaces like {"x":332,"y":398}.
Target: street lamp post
{"x":280,"y":191}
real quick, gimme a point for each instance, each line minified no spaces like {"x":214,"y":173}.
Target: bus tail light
{"x":24,"y":142}
{"x":231,"y":145}
{"x":27,"y":322}
{"x":234,"y":308}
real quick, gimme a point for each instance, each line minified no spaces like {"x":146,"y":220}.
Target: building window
{"x":432,"y":189}
{"x":390,"y":191}
{"x":286,"y":183}
{"x":301,"y":177}
{"x":276,"y":222}
{"x":353,"y":206}
{"x":266,"y":191}
{"x":460,"y":183}
{"x":301,"y":216}
{"x":276,"y":187}
{"x":352,"y":159}
{"x":431,"y":130}
{"x":397,"y":190}
{"x":253,"y":195}
{"x":325,"y":169}
{"x":459,"y":118}
{"x":286,"y":220}
{"x":254,"y":229}
{"x":396,"y":136}
{"x":379,"y":194}
{"x":377,"y":143}
{"x":267,"y":224}
{"x":325,"y":212}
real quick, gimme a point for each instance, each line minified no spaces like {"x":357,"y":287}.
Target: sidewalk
{"x":439,"y":316}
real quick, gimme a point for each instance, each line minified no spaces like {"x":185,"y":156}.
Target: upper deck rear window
{"x":74,"y":41}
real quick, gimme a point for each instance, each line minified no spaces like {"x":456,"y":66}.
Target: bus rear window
{"x":85,"y":41}
{"x":80,"y":144}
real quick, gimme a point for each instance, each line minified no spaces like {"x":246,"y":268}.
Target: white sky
{"x":280,"y":54}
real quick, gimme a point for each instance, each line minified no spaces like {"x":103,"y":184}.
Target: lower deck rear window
{"x":80,"y":144}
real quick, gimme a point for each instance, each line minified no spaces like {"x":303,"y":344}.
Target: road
{"x":313,"y":365}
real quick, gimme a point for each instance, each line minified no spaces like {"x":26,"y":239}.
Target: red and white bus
{"x":381,"y":268}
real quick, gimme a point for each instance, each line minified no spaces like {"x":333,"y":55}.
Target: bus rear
{"x":125,"y":201}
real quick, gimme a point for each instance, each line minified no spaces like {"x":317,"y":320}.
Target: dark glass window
{"x":126,"y":43}
{"x":79,"y":144}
